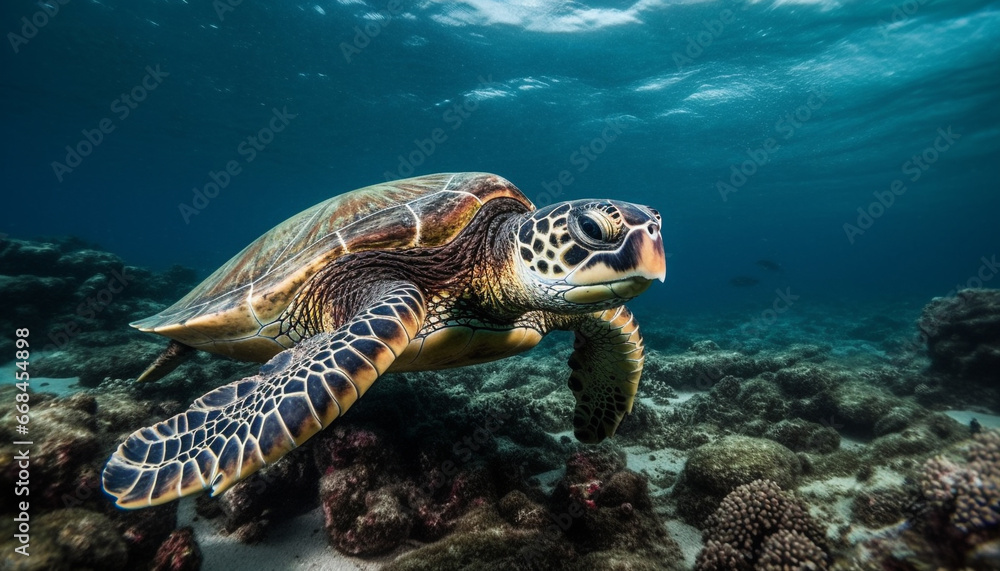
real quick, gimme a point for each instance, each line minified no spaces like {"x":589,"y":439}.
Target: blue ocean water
{"x":758,"y":129}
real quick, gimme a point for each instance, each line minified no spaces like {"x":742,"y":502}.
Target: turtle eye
{"x":593,"y":229}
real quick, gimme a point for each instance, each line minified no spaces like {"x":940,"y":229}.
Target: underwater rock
{"x":760,"y":527}
{"x":760,"y":398}
{"x":587,"y":472}
{"x":362,"y":496}
{"x":803,"y":381}
{"x":71,"y":440}
{"x":600,"y":516}
{"x":731,"y":461}
{"x":704,"y":346}
{"x":881,"y":507}
{"x":963,"y":334}
{"x":77,"y":298}
{"x":958,"y":526}
{"x":26,"y":257}
{"x":93,"y":364}
{"x":714,"y":470}
{"x":32,"y":296}
{"x":64,"y":457}
{"x":273,"y":494}
{"x":180,"y":552}
{"x":362,"y":519}
{"x":521,"y":511}
{"x":70,"y":540}
{"x":483,"y":535}
{"x":119,"y":412}
{"x":926,"y":433}
{"x":143,"y":530}
{"x":701,"y":369}
{"x":83,"y":264}
{"x":897,"y":419}
{"x":859,"y":406}
{"x":803,"y":436}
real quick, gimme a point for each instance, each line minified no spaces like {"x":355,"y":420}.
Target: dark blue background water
{"x":536,"y":80}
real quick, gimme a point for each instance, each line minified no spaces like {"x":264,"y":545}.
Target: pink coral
{"x":968,"y":492}
{"x":758,"y":526}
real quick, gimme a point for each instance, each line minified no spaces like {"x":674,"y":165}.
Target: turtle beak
{"x":640,"y":258}
{"x":651,"y":260}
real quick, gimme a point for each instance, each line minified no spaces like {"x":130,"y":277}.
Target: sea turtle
{"x":425,"y":273}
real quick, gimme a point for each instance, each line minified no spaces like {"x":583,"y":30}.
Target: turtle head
{"x":586,"y":255}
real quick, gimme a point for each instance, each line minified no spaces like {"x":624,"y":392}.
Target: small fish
{"x":769,"y":265}
{"x":744,"y":281}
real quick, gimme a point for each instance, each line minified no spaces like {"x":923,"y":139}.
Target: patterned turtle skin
{"x":432,"y":272}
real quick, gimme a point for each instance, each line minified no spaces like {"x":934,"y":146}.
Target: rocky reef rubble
{"x":817,"y":446}
{"x":962,"y":333}
{"x":77,"y":300}
{"x":952,"y":523}
{"x":72,"y":524}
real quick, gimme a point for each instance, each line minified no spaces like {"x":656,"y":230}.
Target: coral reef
{"x":600,"y":516}
{"x":958,"y":524}
{"x":78,"y":299}
{"x":968,"y":493}
{"x":477,"y":468}
{"x":881,"y":507}
{"x":758,"y":526}
{"x":271,"y":495}
{"x":179,"y":552}
{"x":61,"y":461}
{"x":962,"y":333}
{"x":70,"y":539}
{"x":73,"y":526}
{"x":716,"y":469}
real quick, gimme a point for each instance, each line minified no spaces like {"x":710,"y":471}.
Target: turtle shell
{"x":234,"y":310}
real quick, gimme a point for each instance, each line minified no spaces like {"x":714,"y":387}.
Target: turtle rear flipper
{"x":171,"y":357}
{"x":607,"y":363}
{"x":234,"y":430}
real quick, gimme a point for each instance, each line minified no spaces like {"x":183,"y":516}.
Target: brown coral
{"x":786,"y":550}
{"x":758,"y":526}
{"x":969,"y":493}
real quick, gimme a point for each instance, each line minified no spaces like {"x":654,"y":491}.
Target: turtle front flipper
{"x":236,"y":429}
{"x":606,"y":362}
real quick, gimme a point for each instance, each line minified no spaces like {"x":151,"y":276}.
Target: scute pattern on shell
{"x":256,"y":285}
